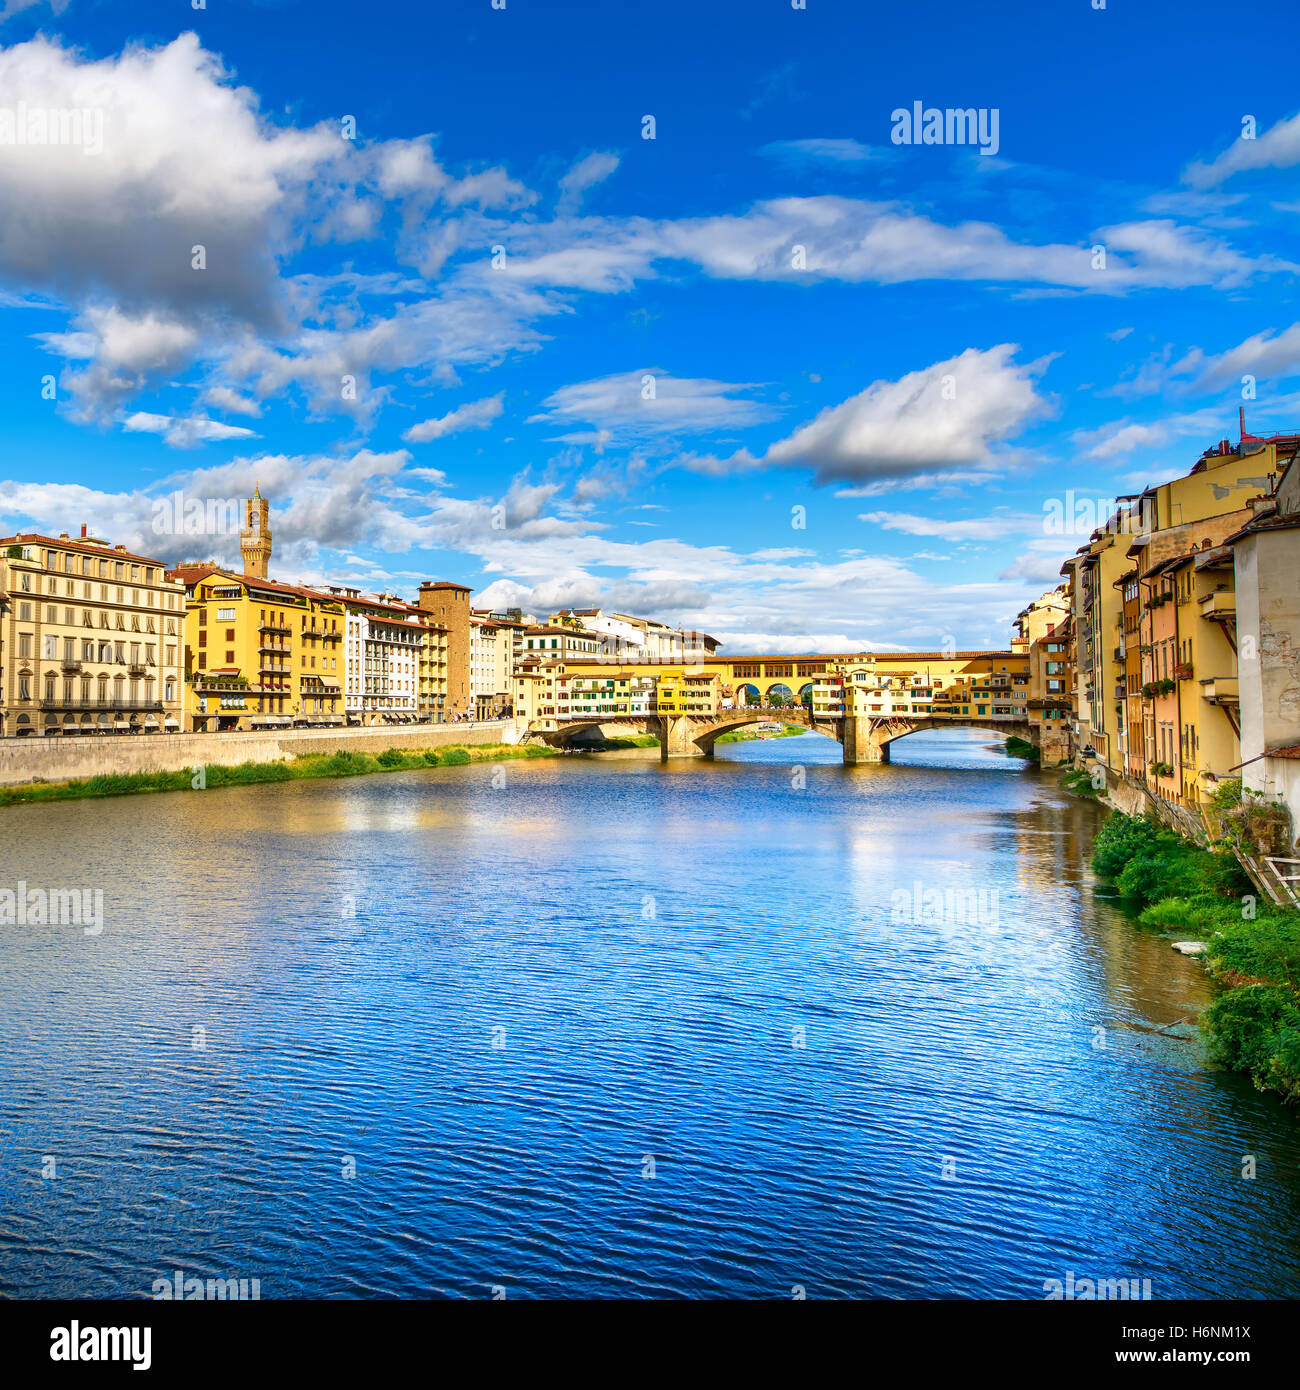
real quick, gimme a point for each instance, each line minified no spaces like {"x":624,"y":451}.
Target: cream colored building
{"x":91,"y":639}
{"x":493,"y":643}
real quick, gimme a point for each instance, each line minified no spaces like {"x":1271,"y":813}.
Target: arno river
{"x":591,"y":1027}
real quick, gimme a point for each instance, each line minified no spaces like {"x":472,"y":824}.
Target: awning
{"x":171,"y":722}
{"x":121,"y":723}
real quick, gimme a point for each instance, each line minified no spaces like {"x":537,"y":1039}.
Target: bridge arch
{"x":884,"y":731}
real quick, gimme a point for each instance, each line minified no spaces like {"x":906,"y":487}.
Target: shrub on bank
{"x":1256,"y":1029}
{"x":345,"y":764}
{"x":1078,"y":782}
{"x":1022,"y":748}
{"x":1266,"y":947}
{"x":453,"y":757}
{"x":1121,"y":839}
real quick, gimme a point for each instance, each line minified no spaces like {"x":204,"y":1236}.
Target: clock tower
{"x":255,"y":537}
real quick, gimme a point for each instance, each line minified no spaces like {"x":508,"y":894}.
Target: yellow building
{"x":90,"y":638}
{"x":260,"y":654}
{"x":677,"y":692}
{"x":1040,"y":635}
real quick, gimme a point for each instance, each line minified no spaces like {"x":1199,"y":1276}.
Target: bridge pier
{"x":861,"y":741}
{"x":677,"y":738}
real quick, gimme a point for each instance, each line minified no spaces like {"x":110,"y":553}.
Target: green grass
{"x":309,"y":766}
{"x":1078,"y":782}
{"x":1022,"y":748}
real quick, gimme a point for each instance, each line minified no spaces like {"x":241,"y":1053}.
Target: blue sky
{"x":769,"y":373}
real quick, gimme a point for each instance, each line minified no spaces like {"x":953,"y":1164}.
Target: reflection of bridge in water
{"x":864,"y":738}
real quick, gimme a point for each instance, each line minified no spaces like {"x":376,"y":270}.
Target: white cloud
{"x":1278,"y":148}
{"x":822,"y":151}
{"x":225,"y":399}
{"x":474,"y":415}
{"x":980,"y":528}
{"x":650,"y":402}
{"x":585,"y":174}
{"x":1120,"y":438}
{"x":184,"y":432}
{"x":959,"y":412}
{"x":13,"y":7}
{"x":1266,"y":354}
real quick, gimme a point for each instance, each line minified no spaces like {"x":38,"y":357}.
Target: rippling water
{"x":509,"y":993}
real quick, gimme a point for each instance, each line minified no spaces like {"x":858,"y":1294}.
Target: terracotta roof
{"x":1290,"y":751}
{"x":85,"y":547}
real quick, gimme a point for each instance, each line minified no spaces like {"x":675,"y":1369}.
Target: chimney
{"x":83,"y":530}
{"x":1241,"y":422}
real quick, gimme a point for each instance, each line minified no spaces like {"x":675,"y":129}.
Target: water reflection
{"x":498,"y":997}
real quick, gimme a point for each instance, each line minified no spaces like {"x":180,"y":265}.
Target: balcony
{"x":70,"y":663}
{"x":1183,"y":671}
{"x":268,"y":646}
{"x":136,"y":668}
{"x":1220,"y":606}
{"x":274,"y":625}
{"x":1220,"y":690}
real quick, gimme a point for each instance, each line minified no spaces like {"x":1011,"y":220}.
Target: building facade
{"x":91,"y":639}
{"x":260,"y":654}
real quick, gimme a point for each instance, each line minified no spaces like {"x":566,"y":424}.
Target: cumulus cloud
{"x":474,"y":415}
{"x":170,"y":239}
{"x":961,"y":411}
{"x":231,"y":401}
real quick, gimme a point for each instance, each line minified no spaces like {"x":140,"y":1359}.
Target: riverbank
{"x":1250,"y":947}
{"x":304,"y":767}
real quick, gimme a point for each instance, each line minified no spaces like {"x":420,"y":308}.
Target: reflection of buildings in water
{"x":1144,"y":978}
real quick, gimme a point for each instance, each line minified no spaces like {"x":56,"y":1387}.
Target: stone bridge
{"x":864,"y":738}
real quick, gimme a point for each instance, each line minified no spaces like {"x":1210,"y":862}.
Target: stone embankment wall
{"x":1134,"y":800}
{"x":62,"y":759}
